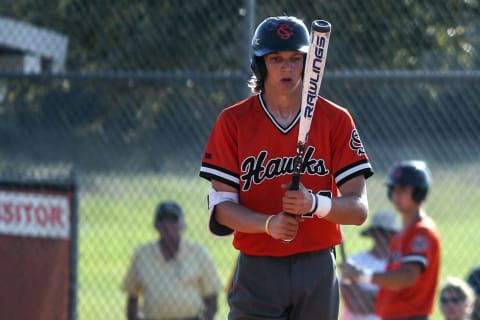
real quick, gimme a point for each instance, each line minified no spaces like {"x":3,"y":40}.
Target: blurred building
{"x":26,"y":48}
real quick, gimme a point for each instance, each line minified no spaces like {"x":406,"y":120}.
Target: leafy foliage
{"x":135,"y":69}
{"x":207,"y":35}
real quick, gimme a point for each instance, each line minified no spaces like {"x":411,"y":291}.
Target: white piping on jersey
{"x":350,"y":171}
{"x":220,"y":174}
{"x":415,"y":258}
{"x":272,"y":118}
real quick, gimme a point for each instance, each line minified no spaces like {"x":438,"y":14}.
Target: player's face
{"x":401,"y":198}
{"x":284,"y":71}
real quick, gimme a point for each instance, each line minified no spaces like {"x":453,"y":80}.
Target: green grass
{"x":116,"y":216}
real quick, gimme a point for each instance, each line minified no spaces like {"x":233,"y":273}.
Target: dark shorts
{"x":302,"y":286}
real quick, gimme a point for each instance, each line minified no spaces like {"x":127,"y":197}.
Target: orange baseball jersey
{"x":250,"y":151}
{"x":419,"y":243}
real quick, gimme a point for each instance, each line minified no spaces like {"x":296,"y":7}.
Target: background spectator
{"x":176,"y":278}
{"x":359,"y":298}
{"x":456,"y":299}
{"x":474,"y":281}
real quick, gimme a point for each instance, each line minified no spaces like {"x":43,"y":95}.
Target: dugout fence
{"x":124,"y":172}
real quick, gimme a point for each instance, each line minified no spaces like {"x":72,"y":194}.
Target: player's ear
{"x":419,"y":194}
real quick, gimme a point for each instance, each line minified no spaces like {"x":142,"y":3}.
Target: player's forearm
{"x":239,"y":218}
{"x":351,"y":207}
{"x":395,"y":279}
{"x":349,"y":210}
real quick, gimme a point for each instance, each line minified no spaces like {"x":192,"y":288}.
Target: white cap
{"x":383,"y":219}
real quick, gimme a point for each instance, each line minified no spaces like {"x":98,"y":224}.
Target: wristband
{"x":323,"y":205}
{"x":267,"y":224}
{"x":366,"y":276}
{"x":314,"y":204}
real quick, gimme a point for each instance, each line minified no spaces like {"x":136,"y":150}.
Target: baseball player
{"x":408,"y":286}
{"x":249,"y":161}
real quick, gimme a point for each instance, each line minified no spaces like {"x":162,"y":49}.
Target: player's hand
{"x":283,"y":227}
{"x":297,"y":202}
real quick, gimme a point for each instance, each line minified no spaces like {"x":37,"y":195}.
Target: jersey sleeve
{"x":220,"y":159}
{"x":419,"y":248}
{"x":349,"y":156}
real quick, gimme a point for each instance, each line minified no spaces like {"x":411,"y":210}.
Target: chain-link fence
{"x":131,"y":106}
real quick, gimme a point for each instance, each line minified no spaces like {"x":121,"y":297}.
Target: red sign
{"x":34,"y":214}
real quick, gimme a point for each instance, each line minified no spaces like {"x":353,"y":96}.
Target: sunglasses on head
{"x":454,"y":300}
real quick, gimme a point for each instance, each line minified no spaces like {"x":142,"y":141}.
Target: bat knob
{"x":321,"y":26}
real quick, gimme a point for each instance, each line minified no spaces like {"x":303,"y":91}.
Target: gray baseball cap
{"x":383,"y":220}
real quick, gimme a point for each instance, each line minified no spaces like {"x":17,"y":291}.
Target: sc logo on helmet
{"x":284,"y":31}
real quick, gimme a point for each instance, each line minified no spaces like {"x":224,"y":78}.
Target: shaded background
{"x":142,"y":83}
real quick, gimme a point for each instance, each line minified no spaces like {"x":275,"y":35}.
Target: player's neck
{"x":284,"y":108}
{"x":283,"y":102}
{"x":410,"y":218}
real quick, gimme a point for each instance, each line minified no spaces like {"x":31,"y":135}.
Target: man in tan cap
{"x":359,"y":298}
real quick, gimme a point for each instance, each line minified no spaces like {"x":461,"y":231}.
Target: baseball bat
{"x":343,"y":255}
{"x":312,"y":79}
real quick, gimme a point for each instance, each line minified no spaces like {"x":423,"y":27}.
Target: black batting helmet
{"x":410,"y":173}
{"x":280,"y":34}
{"x":283,"y":33}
